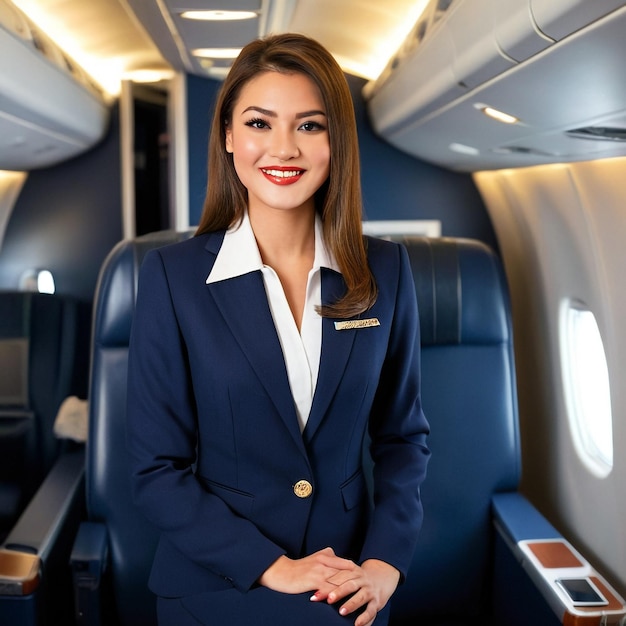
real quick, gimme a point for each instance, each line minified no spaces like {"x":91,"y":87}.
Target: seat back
{"x":44,"y":343}
{"x":131,"y":540}
{"x":469,"y":397}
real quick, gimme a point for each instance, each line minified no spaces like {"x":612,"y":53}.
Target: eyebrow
{"x":274,"y":114}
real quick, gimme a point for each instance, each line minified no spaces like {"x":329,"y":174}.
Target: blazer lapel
{"x":242,"y":301}
{"x":336,"y":348}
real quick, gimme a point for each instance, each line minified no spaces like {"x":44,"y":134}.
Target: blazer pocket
{"x":354,"y":490}
{"x":241,"y":502}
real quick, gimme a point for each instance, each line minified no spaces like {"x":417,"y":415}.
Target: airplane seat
{"x":460,"y":567}
{"x":114,"y":547}
{"x":42,"y":337}
{"x":468,"y":393}
{"x":469,"y":397}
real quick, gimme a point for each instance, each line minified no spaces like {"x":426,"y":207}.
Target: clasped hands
{"x":333,"y":578}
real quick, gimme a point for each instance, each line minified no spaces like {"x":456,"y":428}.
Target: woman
{"x":263,"y":350}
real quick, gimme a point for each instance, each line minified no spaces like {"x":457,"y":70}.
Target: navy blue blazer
{"x":213,"y":436}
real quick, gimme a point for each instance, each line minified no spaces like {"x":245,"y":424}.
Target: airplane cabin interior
{"x":492,"y":138}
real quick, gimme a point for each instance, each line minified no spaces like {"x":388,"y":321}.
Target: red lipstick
{"x":282,"y":175}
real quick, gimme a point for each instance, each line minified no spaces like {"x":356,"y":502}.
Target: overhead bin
{"x":407,"y":94}
{"x":516,"y":32}
{"x":50,"y":110}
{"x":429,"y":100}
{"x":477,"y":55}
{"x":449,"y":53}
{"x":560,"y":18}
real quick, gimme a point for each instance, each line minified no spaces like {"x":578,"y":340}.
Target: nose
{"x":284,"y":145}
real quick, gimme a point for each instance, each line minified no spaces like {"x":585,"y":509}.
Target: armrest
{"x":517,"y":519}
{"x":88,"y":562}
{"x":546,"y":556}
{"x":33,"y":569}
{"x":19,"y":573}
{"x":44,"y":519}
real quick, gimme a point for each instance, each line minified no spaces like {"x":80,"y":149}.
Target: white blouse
{"x":240,"y":255}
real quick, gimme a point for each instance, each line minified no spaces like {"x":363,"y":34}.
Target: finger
{"x":323,"y":592}
{"x":367,"y":615}
{"x":366,"y":618}
{"x":348,"y":588}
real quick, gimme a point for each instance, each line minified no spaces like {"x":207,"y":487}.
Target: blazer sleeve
{"x":161,"y":439}
{"x":398,"y":431}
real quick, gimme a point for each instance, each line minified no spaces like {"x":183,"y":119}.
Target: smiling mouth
{"x":282,"y":176}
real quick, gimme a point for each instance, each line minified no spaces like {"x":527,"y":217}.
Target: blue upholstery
{"x":44,"y":347}
{"x":468,"y":394}
{"x":469,"y":397}
{"x":130,"y":539}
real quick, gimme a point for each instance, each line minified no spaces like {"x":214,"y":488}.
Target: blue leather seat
{"x":116,"y":541}
{"x":469,"y":396}
{"x":44,"y":348}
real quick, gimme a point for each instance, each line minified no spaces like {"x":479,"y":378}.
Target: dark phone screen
{"x":582,"y":592}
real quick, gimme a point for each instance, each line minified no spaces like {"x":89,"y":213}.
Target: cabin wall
{"x":395,"y":185}
{"x":201,"y":96}
{"x":561,"y":230}
{"x":66,"y":219}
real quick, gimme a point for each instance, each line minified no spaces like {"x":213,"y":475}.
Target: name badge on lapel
{"x":354,"y":324}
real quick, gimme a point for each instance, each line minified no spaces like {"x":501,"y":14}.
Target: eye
{"x":312,"y":126}
{"x":257,"y":123}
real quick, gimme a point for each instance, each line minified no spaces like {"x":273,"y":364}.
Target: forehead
{"x":280,"y":92}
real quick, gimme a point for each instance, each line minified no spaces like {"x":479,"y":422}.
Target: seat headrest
{"x":459,"y":287}
{"x":458,"y":282}
{"x":117,"y":286}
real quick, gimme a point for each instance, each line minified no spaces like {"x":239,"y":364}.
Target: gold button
{"x":303,"y":489}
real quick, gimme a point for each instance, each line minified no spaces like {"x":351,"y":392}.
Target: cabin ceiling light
{"x":217,"y":53}
{"x":499,"y":116}
{"x":218,"y":16}
{"x":463,"y":149}
{"x":379,"y":38}
{"x":148,"y":76}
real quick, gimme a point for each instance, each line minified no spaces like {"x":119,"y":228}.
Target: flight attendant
{"x":265,"y":351}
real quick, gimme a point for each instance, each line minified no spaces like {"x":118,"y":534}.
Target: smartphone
{"x":582,"y":591}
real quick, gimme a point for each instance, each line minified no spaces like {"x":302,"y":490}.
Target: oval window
{"x":586,"y":387}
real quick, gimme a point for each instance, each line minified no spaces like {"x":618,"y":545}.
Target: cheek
{"x":246,"y":150}
{"x":246,"y":155}
{"x":324,"y":159}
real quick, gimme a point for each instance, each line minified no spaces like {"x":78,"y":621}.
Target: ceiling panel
{"x":362,"y":34}
{"x":203,"y":34}
{"x":150,"y":34}
{"x":213,"y":5}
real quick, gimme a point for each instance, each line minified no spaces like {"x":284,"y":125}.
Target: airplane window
{"x":587,"y":390}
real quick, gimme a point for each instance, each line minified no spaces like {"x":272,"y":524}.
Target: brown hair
{"x":339,"y":199}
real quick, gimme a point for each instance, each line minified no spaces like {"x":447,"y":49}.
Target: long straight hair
{"x":338,"y":201}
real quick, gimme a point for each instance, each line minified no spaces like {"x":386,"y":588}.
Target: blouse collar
{"x":239,"y":253}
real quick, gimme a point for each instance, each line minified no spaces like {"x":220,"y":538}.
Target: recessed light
{"x":500,"y":116}
{"x":217,"y":53}
{"x":148,"y":76}
{"x":463,"y":149}
{"x":219,"y":16}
